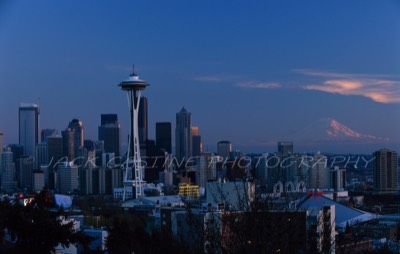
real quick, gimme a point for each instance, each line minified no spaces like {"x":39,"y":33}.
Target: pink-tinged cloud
{"x":375,"y":88}
{"x":258,"y":85}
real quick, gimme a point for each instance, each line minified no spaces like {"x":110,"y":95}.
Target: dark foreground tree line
{"x":35,"y":228}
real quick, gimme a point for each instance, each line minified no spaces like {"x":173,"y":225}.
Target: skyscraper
{"x":55,"y":157}
{"x":68,"y":137}
{"x":67,"y":178}
{"x":206,"y":169}
{"x":338,"y":178}
{"x":1,"y":142}
{"x":29,"y":134}
{"x":142,"y":121}
{"x":197,"y":148}
{"x":76,"y":125}
{"x":385,"y":171}
{"x":224,"y":149}
{"x":183,"y":134}
{"x":285,"y":148}
{"x":163,"y":136}
{"x":41,"y":155}
{"x":25,"y":170}
{"x":195,"y":131}
{"x":7,"y":170}
{"x":109,"y":132}
{"x":319,"y":173}
{"x":45,"y":133}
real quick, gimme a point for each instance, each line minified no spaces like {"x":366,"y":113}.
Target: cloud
{"x":237,"y":82}
{"x":209,"y":78}
{"x":379,"y":88}
{"x":259,"y":85}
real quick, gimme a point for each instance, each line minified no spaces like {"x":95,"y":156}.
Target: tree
{"x":35,"y":228}
{"x":127,"y":235}
{"x":249,"y":223}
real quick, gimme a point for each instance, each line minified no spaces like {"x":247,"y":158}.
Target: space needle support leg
{"x":136,"y":148}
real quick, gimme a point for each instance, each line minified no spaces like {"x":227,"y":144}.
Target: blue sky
{"x":249,"y":72}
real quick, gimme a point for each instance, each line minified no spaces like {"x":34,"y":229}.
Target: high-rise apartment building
{"x":385,"y":171}
{"x":29,"y":134}
{"x":163,"y":136}
{"x":183,"y":134}
{"x":109,"y":132}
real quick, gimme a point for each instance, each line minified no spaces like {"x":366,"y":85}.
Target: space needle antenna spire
{"x":133,"y":87}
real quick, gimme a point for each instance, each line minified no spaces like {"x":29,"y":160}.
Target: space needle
{"x":133,"y":87}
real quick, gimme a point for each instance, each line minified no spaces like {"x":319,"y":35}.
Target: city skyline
{"x":253,"y":74}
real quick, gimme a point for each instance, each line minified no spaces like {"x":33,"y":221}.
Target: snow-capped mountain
{"x":330,"y":130}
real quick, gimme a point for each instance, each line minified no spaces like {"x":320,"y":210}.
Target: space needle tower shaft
{"x":133,"y":87}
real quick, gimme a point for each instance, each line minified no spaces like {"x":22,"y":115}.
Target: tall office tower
{"x":7,"y":171}
{"x":183,"y":135}
{"x":29,"y":134}
{"x":17,"y":151}
{"x":41,"y":155}
{"x":142,"y":121}
{"x":25,"y":167}
{"x":109,"y":132}
{"x":67,"y":178}
{"x":285,"y":148}
{"x":98,"y":147}
{"x":261,"y":168}
{"x":385,"y":171}
{"x":319,"y":173}
{"x":206,"y":169}
{"x":142,"y":127}
{"x":224,"y":149}
{"x":45,"y":133}
{"x":86,"y":163}
{"x":38,"y":181}
{"x":1,"y":142}
{"x":55,"y":157}
{"x":68,"y":137}
{"x":163,"y":137}
{"x":302,"y":167}
{"x":77,"y":126}
{"x":197,"y":148}
{"x":195,"y":131}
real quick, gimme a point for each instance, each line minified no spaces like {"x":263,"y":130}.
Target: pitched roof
{"x":343,"y":213}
